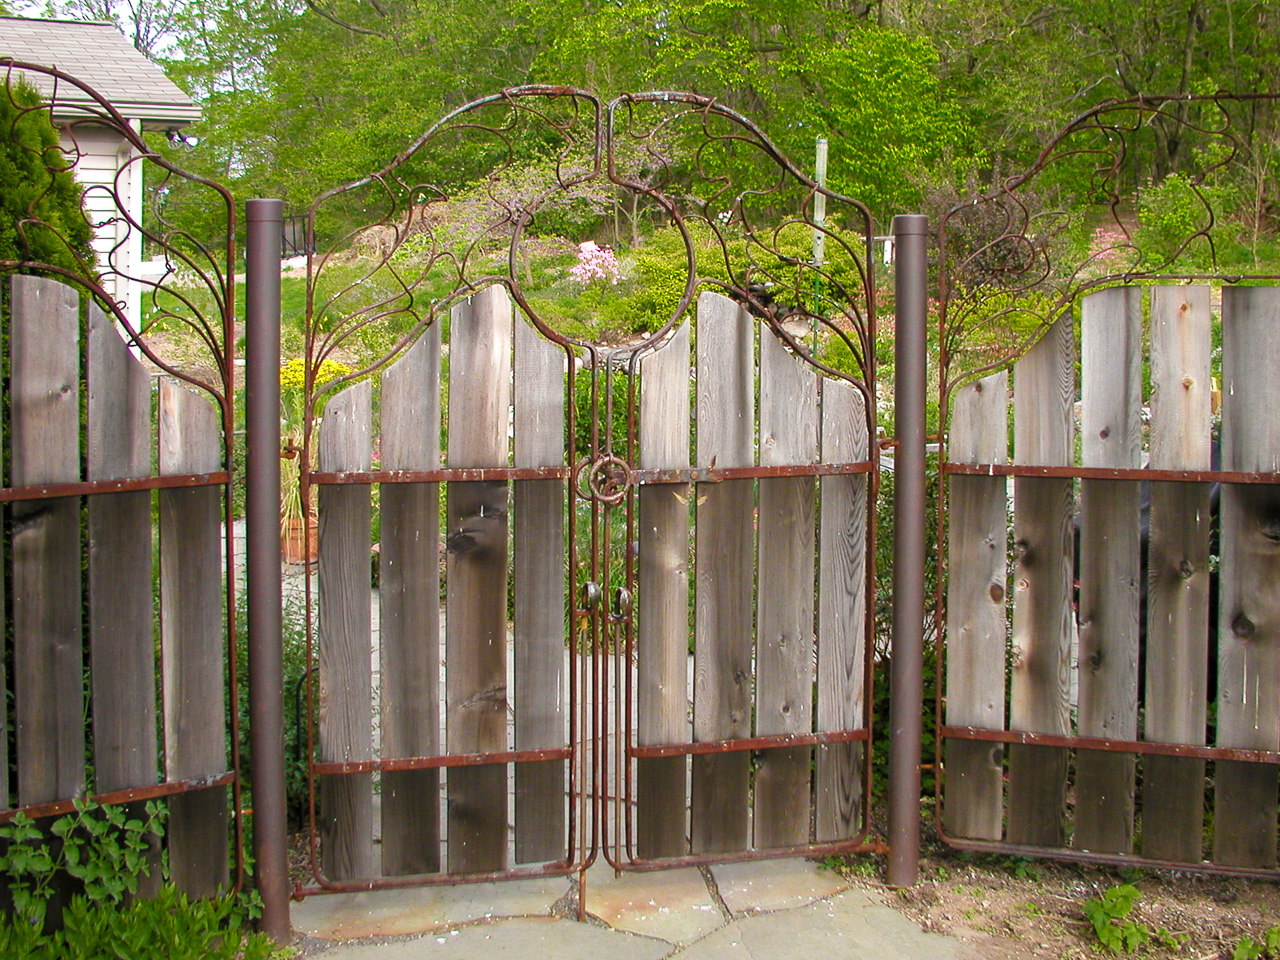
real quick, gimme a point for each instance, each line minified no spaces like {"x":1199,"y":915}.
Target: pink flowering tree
{"x":595,"y":263}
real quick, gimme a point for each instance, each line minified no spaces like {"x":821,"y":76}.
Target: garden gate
{"x":120,"y":628}
{"x":1104,"y":618}
{"x":678,"y":528}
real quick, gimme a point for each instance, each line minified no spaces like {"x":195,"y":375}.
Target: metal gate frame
{"x":1002,"y":243}
{"x":605,"y":479}
{"x":202,"y":301}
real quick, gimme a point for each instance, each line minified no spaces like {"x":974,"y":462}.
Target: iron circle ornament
{"x":605,"y":479}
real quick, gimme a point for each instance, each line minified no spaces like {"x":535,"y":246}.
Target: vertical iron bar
{"x":264,"y":224}
{"x":907,"y":652}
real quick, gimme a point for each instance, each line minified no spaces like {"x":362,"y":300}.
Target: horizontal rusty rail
{"x":443,"y":475}
{"x":1146,"y":747}
{"x":679,"y":475}
{"x":717,"y":474}
{"x":46,"y":491}
{"x":561,"y":868}
{"x":838,"y":848}
{"x":1128,"y":861}
{"x":1107,"y":473}
{"x":448,"y":760}
{"x":752,"y":743}
{"x":170,"y":788}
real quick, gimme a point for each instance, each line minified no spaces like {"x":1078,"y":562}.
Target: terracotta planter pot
{"x":300,"y":541}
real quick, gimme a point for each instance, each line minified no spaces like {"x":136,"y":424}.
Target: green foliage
{"x":1250,"y":949}
{"x":1177,"y":219}
{"x":108,"y":853}
{"x":1111,"y":916}
{"x":878,"y":97}
{"x":170,"y":926}
{"x":100,"y":846}
{"x":293,"y":640}
{"x":40,"y":215}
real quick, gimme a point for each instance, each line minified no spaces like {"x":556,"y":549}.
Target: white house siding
{"x":113,"y":203}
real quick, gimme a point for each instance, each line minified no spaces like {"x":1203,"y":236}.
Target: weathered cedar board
{"x":722,"y":674}
{"x":976,"y":588}
{"x":48,"y":648}
{"x":842,"y":609}
{"x":1249,"y":625}
{"x":409,"y":633}
{"x":784,"y":646}
{"x":476,"y":593}
{"x":539,"y":571}
{"x":1044,"y":393}
{"x":345,"y":638}
{"x":1178,"y":573}
{"x":1111,"y":436}
{"x":662,"y":640}
{"x":191,"y":615}
{"x":121,"y":644}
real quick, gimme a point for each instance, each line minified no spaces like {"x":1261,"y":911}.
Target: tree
{"x":41,"y":221}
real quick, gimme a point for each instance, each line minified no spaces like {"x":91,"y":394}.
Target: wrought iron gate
{"x":690,"y":548}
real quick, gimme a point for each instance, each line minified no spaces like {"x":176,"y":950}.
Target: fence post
{"x":907,"y":652}
{"x":264,"y":222}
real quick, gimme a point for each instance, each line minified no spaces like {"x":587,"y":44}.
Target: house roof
{"x":100,"y":57}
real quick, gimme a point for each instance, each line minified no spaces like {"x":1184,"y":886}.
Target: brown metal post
{"x":264,"y":224}
{"x":907,"y":651}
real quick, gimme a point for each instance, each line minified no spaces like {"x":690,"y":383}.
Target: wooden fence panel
{"x":842,"y":608}
{"x":662,"y":644}
{"x":121,"y":642}
{"x":540,"y":593}
{"x":191,"y":616}
{"x":476,"y":594}
{"x":409,"y":634}
{"x":1177,"y":573}
{"x":725,"y":573}
{"x":345,"y":641}
{"x":976,"y":632}
{"x":1111,"y":434}
{"x":1249,"y":613}
{"x":785,"y":600}
{"x":122,"y":648}
{"x":48,"y":648}
{"x":1043,"y":625}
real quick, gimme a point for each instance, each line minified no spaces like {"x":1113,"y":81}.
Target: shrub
{"x":41,"y":220}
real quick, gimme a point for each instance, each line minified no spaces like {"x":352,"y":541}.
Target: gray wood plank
{"x":121,"y":641}
{"x":1178,"y":574}
{"x":476,"y":593}
{"x":1043,"y":625}
{"x":540,"y":594}
{"x":1111,"y":436}
{"x":122,"y":648}
{"x":842,"y":609}
{"x":192,"y":639}
{"x":724,"y":549}
{"x":48,"y":646}
{"x":662,"y":638}
{"x":1249,"y":611}
{"x":976,"y":588}
{"x":344,"y":637}
{"x":409,"y":630}
{"x":784,"y":608}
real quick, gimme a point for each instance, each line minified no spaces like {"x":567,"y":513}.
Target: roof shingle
{"x":97,"y":55}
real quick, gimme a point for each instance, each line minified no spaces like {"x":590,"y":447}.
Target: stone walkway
{"x":768,"y":910}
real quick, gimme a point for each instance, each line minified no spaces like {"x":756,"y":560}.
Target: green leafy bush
{"x":36,"y":185}
{"x":100,"y":846}
{"x":108,"y":853}
{"x":169,"y":926}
